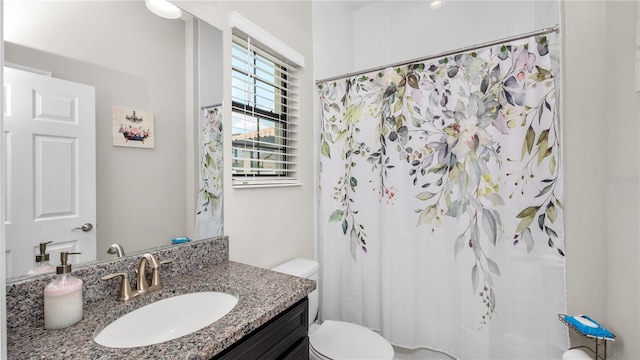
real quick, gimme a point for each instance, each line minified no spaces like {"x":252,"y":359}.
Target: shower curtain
{"x":440,"y":209}
{"x":209,"y":213}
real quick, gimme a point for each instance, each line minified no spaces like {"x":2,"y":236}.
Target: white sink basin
{"x":166,"y":319}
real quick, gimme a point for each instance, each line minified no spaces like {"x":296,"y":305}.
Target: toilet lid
{"x":341,"y":340}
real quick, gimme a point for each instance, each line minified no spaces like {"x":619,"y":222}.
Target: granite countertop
{"x":262,"y":295}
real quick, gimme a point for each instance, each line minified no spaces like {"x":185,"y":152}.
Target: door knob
{"x":85,"y":227}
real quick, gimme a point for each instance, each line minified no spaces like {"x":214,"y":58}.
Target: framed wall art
{"x":132,"y":128}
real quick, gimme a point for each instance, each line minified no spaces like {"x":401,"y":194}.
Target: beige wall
{"x":584,"y":108}
{"x":601,"y":167}
{"x":621,"y":121}
{"x":267,"y":226}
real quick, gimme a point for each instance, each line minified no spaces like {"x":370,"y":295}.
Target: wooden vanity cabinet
{"x":283,"y":337}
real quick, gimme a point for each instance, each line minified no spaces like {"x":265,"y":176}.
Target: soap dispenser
{"x":42,"y":261}
{"x":63,"y":297}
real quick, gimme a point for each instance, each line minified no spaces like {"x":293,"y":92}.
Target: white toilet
{"x":335,"y":340}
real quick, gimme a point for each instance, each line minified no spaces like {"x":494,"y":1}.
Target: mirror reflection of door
{"x":49,"y":129}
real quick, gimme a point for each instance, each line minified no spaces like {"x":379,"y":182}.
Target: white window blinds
{"x":264,"y":115}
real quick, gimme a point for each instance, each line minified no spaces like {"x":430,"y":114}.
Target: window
{"x":264,"y":100}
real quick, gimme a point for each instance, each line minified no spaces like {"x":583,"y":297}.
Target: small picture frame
{"x":133,"y":128}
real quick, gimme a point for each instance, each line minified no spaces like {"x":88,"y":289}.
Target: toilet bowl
{"x":576,"y":354}
{"x":335,"y":340}
{"x":343,"y":340}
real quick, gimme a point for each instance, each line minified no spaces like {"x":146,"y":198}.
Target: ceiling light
{"x":163,"y":8}
{"x":435,"y":4}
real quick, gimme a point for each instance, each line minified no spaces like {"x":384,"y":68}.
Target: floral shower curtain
{"x":441,"y":215}
{"x":209,"y":214}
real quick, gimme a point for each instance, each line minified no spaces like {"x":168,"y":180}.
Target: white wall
{"x":332,"y":38}
{"x":353,"y":36}
{"x":387,"y":32}
{"x":600,"y":121}
{"x":267,"y":226}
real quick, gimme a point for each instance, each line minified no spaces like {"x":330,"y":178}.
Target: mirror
{"x":137,"y":61}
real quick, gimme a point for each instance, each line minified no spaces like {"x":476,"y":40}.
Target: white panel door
{"x":49,"y":129}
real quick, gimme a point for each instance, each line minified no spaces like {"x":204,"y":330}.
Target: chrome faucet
{"x":156,"y":283}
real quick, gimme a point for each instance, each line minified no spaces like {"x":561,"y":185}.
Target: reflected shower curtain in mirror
{"x":441,"y":214}
{"x":209,"y":214}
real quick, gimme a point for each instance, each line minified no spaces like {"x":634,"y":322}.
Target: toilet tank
{"x":307,"y":269}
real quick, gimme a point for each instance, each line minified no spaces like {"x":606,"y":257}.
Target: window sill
{"x":253,"y":184}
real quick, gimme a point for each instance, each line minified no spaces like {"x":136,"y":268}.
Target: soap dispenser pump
{"x":63,"y":297}
{"x":42,"y":261}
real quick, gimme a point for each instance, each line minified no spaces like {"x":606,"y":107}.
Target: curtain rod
{"x":209,"y":106}
{"x":447,"y":53}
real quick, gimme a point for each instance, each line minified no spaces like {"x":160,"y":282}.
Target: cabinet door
{"x":279,"y":338}
{"x":300,"y":351}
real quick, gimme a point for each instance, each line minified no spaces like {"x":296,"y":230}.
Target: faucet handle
{"x":125,"y":292}
{"x":156,"y":283}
